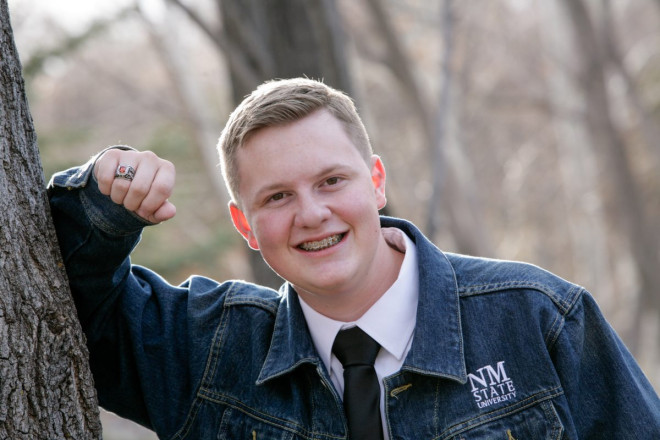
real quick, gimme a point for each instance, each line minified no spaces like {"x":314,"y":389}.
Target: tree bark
{"x":285,"y":39}
{"x":46,"y":388}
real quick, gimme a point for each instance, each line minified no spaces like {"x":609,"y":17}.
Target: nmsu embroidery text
{"x":491,"y":385}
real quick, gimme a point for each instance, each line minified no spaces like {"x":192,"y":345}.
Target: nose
{"x":311,"y":211}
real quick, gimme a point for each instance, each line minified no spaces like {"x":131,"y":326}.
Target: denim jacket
{"x":501,"y":350}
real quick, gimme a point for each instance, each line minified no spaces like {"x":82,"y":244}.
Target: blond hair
{"x":279,"y":102}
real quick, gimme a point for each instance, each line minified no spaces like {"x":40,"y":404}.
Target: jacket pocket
{"x":237,"y":425}
{"x":538,"y":422}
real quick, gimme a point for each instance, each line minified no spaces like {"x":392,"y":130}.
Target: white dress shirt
{"x":390,"y":321}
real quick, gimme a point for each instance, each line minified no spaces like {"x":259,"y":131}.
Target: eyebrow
{"x":338,"y":167}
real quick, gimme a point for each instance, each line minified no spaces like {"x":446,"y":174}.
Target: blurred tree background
{"x":516,"y":129}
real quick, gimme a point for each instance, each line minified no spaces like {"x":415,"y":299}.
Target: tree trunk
{"x":285,"y":39}
{"x":649,"y":128}
{"x":46,"y":388}
{"x":577,"y":170}
{"x":196,"y":113}
{"x":455,"y":194}
{"x":626,"y":209}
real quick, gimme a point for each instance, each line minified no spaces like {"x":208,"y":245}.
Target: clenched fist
{"x":141,"y":181}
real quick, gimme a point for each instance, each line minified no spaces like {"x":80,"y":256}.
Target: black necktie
{"x":357,"y":352}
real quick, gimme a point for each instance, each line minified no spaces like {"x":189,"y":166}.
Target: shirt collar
{"x":398,"y":303}
{"x":437,"y":347}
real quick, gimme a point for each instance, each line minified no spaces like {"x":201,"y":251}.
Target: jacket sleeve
{"x":134,"y":321}
{"x":608,"y":394}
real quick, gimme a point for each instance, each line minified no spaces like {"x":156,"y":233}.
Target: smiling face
{"x":309,"y":202}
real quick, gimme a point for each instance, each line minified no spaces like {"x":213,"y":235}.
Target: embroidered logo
{"x":490,"y":385}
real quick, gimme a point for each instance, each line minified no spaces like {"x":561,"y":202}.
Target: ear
{"x":242,"y":226}
{"x":378,"y":180}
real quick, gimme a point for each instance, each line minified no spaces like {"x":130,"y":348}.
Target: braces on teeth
{"x":318,"y":245}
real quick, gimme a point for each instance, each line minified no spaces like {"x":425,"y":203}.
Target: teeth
{"x":322,"y":244}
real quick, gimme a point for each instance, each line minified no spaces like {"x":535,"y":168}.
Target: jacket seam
{"x":214,"y":351}
{"x":573,"y":296}
{"x":209,"y":372}
{"x":189,"y":421}
{"x":286,"y":425}
{"x":252,"y":301}
{"x":564,"y":304}
{"x":554,"y":331}
{"x":502,"y":412}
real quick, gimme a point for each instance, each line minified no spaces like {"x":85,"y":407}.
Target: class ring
{"x":126,"y":172}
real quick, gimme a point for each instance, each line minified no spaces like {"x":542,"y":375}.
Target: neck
{"x":349,"y":306}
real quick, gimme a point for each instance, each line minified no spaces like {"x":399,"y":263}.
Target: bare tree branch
{"x":399,"y":64}
{"x":650,"y":129}
{"x":36,"y":62}
{"x":231,"y":51}
{"x":194,"y":108}
{"x":627,"y":209}
{"x":441,"y":118}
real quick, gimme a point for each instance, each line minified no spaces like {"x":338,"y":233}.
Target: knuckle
{"x":149,"y":155}
{"x":117,"y":198}
{"x":112,"y":154}
{"x":162,"y":188}
{"x":139,"y":191}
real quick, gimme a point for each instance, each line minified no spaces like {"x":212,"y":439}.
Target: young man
{"x":467,"y":348}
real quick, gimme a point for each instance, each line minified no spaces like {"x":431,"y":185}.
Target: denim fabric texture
{"x":502,"y":350}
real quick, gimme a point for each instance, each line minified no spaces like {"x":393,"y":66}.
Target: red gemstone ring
{"x":125,"y":172}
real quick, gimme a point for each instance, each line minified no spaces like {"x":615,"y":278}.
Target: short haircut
{"x":280,"y":102}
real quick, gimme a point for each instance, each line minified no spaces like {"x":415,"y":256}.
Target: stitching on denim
{"x":310,"y":384}
{"x":573,"y":296}
{"x":459,"y":379}
{"x":436,"y":408}
{"x":554,"y":331}
{"x":551,"y":413}
{"x":386,"y":383}
{"x":463,"y":378}
{"x":307,"y":360}
{"x":286,"y":425}
{"x":562,"y":303}
{"x":239,"y":296}
{"x":189,"y":421}
{"x":252,"y":301}
{"x":207,"y":377}
{"x":225,"y":421}
{"x":214,"y":353}
{"x":499,"y":413}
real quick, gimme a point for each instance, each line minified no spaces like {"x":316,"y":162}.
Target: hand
{"x":148,"y":192}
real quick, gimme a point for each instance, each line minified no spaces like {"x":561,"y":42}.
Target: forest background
{"x":516,"y":129}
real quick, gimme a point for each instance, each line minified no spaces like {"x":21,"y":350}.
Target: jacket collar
{"x":437,"y":347}
{"x":291,"y":344}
